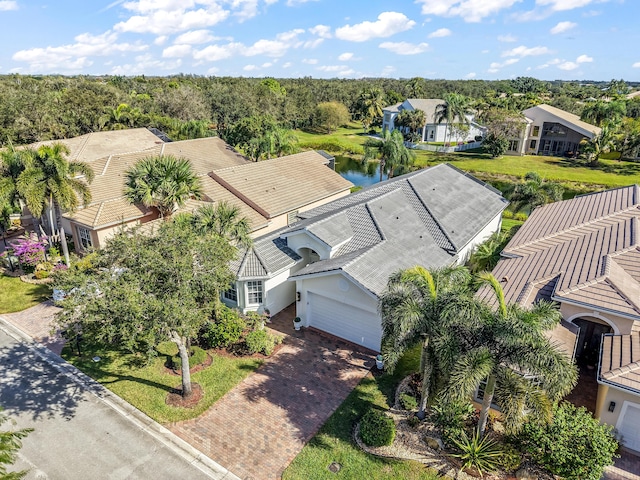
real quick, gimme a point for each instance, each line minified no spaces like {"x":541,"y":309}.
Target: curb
{"x":131,"y":413}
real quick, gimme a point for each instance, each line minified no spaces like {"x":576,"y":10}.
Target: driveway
{"x":259,"y":427}
{"x":81,"y":430}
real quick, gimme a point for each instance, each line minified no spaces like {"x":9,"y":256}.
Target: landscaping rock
{"x":434,"y":443}
{"x":526,"y":474}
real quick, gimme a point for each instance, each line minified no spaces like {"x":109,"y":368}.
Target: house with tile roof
{"x":432,"y":131}
{"x":551,"y":131}
{"x":584,"y":254}
{"x":334,"y":263}
{"x":269,"y":193}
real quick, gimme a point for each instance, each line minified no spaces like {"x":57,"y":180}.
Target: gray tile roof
{"x":397,"y":224}
{"x":268,"y":256}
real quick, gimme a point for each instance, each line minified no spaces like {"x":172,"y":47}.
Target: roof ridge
{"x":83,"y":146}
{"x":365,"y":250}
{"x":437,"y":222}
{"x":106,"y":165}
{"x":98,"y":213}
{"x":373,"y":219}
{"x":260,"y":259}
{"x":528,"y":287}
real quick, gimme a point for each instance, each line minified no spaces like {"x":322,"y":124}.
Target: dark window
{"x":231,"y":293}
{"x":532,"y":145}
{"x":536,"y":131}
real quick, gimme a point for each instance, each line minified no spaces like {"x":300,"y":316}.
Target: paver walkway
{"x":36,"y":322}
{"x":257,"y":428}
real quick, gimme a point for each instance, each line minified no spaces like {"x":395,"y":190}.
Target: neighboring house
{"x":336,"y":261}
{"x":268,"y":193}
{"x":432,"y":130}
{"x":584,"y":254}
{"x":552,"y":131}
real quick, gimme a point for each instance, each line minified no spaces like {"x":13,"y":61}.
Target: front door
{"x":588,"y":348}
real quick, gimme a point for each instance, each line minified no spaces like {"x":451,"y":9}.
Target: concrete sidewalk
{"x":81,"y":429}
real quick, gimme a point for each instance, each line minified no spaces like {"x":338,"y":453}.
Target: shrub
{"x":170,"y":350}
{"x":377,"y":429}
{"x":413,"y":421}
{"x":224,"y":331}
{"x":574,"y":445}
{"x":520,"y":217}
{"x":408,"y":402}
{"x":260,"y":341}
{"x":451,"y":419}
{"x":507,"y":214}
{"x":41,"y":274}
{"x":511,"y":458}
{"x":482,"y":454}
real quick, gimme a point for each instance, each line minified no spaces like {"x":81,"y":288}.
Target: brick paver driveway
{"x":36,"y":322}
{"x":256,"y":429}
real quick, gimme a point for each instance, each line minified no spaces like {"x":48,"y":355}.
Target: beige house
{"x":269,"y":193}
{"x":584,"y":254}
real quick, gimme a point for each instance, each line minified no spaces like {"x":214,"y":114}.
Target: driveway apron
{"x":259,"y":427}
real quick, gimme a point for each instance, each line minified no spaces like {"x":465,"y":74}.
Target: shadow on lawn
{"x":618,"y":168}
{"x":29,"y":385}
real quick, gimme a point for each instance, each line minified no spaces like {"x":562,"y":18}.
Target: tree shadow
{"x":29,"y":385}
{"x":619,"y":168}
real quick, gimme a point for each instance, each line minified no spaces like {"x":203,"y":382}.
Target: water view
{"x":359,"y":173}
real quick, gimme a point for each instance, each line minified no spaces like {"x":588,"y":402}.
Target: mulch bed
{"x":197,"y":368}
{"x":175,"y":399}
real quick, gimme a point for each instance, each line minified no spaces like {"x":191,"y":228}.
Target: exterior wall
{"x":486,"y":232}
{"x":279,"y":293}
{"x":620,"y":325}
{"x":337,"y":287}
{"x":303,"y":240}
{"x":441,"y":133}
{"x":608,"y":394}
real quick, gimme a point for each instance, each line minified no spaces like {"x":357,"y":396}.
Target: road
{"x":78,"y":434}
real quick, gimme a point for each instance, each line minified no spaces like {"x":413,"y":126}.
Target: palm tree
{"x":394,"y":156}
{"x":455,"y":107}
{"x":11,"y":167}
{"x":223,"y":220}
{"x":164,"y":182}
{"x":535,"y":191}
{"x":507,"y":348}
{"x":485,"y":257}
{"x":50,"y":180}
{"x":10,"y":444}
{"x":411,"y":309}
{"x":599,"y":112}
{"x":414,"y":120}
{"x":370,"y":104}
{"x":599,"y":144}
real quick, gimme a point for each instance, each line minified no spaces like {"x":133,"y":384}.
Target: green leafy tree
{"x":395,"y":157}
{"x":331,"y":115}
{"x":414,"y":121}
{"x":600,"y":111}
{"x":495,"y":145}
{"x":145,"y":290}
{"x":454,"y":112}
{"x":369,"y":105}
{"x":534,"y":192}
{"x":10,"y":444}
{"x":411,"y":309}
{"x":574,"y":445}
{"x":50,"y":180}
{"x":225,"y":221}
{"x":164,"y":182}
{"x":507,"y":348}
{"x":11,"y":167}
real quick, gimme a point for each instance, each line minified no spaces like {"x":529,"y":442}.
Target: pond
{"x":361,"y":175}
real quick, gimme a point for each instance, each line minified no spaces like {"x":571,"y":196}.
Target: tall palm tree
{"x":50,"y":180}
{"x":223,"y":220}
{"x":11,"y":167}
{"x":164,"y":182}
{"x":370,"y":103}
{"x":411,"y":310}
{"x":507,"y":348}
{"x":394,"y":156}
{"x":456,"y":107}
{"x":414,"y":120}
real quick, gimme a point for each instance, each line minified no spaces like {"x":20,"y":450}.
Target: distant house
{"x":432,"y":130}
{"x":551,"y":131}
{"x":335,"y":262}
{"x":584,"y":254}
{"x":269,"y":193}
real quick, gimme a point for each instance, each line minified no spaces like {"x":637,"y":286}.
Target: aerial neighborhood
{"x":316,"y":255}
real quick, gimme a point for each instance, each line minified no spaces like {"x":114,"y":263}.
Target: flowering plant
{"x":30,"y":251}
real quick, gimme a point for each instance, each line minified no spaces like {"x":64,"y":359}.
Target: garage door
{"x":629,"y":425}
{"x":345,"y":321}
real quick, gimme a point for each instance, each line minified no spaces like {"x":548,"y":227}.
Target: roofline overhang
{"x":617,"y":386}
{"x":110,"y":224}
{"x":316,"y":199}
{"x":595,"y":308}
{"x":337,"y":271}
{"x":270,"y":275}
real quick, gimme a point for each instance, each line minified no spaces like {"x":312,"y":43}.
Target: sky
{"x":450,"y":39}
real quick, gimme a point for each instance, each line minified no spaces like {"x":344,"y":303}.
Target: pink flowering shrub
{"x":30,"y":251}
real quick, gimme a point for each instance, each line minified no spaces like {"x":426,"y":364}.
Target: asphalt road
{"x":78,"y":435}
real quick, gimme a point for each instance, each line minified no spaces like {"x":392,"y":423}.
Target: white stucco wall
{"x":301,"y":239}
{"x":620,"y":325}
{"x":486,"y":232}
{"x":279,"y":293}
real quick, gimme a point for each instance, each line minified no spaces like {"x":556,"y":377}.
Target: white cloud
{"x":441,"y":32}
{"x":508,"y":38}
{"x":213,"y":53}
{"x":291,"y":3}
{"x":469,"y":10}
{"x":636,"y":65}
{"x":270,"y":48}
{"x":339,"y":70}
{"x":568,"y":66}
{"x":74,"y":56}
{"x":249,"y":68}
{"x":310,"y":61}
{"x":176,"y":51}
{"x":322,"y":31}
{"x":145,"y":63}
{"x":470,"y":75}
{"x":387,"y":70}
{"x":286,"y":65}
{"x":267,"y":64}
{"x":495,"y":66}
{"x":170,"y":16}
{"x":6,"y":5}
{"x":388,"y":24}
{"x":523,"y":51}
{"x":584,"y":59}
{"x":563,"y":5}
{"x":404,"y":48}
{"x":562,"y":27}
{"x":313,"y":43}
{"x":343,"y":57}
{"x":194,"y":37}
{"x":161,"y":40}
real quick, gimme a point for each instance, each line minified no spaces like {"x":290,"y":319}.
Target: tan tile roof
{"x":205,"y":154}
{"x":567,"y":118}
{"x":276,"y":186}
{"x":620,"y":361}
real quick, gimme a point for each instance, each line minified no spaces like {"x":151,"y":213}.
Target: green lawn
{"x":146,"y":387}
{"x":509,"y":223}
{"x":333,"y":442}
{"x":18,"y":295}
{"x":347,"y":139}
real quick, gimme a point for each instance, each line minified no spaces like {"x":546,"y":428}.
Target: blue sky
{"x":452,"y":39}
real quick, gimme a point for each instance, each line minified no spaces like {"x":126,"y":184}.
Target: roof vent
{"x":505,"y":279}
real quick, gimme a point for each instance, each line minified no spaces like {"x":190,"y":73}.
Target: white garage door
{"x":345,"y":321}
{"x":629,"y":425}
